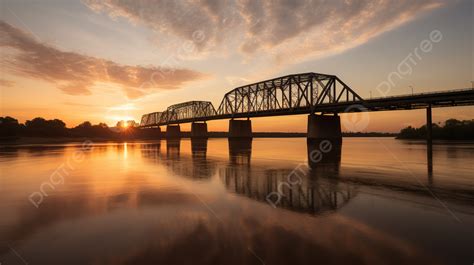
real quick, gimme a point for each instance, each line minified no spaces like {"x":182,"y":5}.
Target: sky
{"x":105,"y":61}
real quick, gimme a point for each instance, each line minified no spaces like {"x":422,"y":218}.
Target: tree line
{"x":40,"y":127}
{"x":451,"y":130}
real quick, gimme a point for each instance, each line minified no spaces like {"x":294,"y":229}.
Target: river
{"x":265,"y":201}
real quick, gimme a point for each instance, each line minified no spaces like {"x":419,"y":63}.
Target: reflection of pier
{"x":199,"y":148}
{"x":324,"y":157}
{"x":429,"y":161}
{"x":195,"y":166}
{"x":299,"y":189}
{"x":307,"y":195}
{"x":240,"y":151}
{"x":172,"y":148}
{"x":151,"y":151}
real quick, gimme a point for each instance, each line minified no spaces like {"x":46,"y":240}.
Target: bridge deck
{"x":462,"y":97}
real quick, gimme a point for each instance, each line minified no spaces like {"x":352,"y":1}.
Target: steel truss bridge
{"x":304,"y":93}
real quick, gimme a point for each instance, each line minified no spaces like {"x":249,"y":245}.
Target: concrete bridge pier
{"x":173,"y":131}
{"x":199,"y":130}
{"x":324,"y":127}
{"x":240,"y":129}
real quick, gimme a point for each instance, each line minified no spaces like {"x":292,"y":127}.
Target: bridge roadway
{"x":461,"y":97}
{"x":307,"y":93}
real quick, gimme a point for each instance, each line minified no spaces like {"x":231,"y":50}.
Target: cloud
{"x":289,"y":30}
{"x":6,"y":83}
{"x":77,"y":74}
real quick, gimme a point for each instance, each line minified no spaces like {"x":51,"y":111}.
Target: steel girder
{"x":151,"y":119}
{"x":190,"y":110}
{"x":291,"y":92}
{"x":298,"y":93}
{"x":183,"y":111}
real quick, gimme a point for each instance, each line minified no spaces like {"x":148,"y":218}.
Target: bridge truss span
{"x":151,"y":119}
{"x":189,"y":111}
{"x":298,"y":92}
{"x":305,"y":93}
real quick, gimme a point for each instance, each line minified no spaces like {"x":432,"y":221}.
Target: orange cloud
{"x":76,"y":74}
{"x":6,"y":83}
{"x":287,"y":31}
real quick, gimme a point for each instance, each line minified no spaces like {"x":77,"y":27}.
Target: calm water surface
{"x":376,"y":201}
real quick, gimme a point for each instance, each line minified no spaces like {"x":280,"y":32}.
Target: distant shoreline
{"x":53,"y":140}
{"x":39,"y":131}
{"x":63,"y":140}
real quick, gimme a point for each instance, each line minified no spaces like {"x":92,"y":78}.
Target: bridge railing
{"x":423,"y":93}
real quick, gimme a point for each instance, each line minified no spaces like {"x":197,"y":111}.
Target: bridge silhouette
{"x":305,"y":93}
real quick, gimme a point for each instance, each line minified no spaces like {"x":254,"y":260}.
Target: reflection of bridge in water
{"x":198,"y":167}
{"x":314,"y":187}
{"x":305,"y":188}
{"x":315,"y":194}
